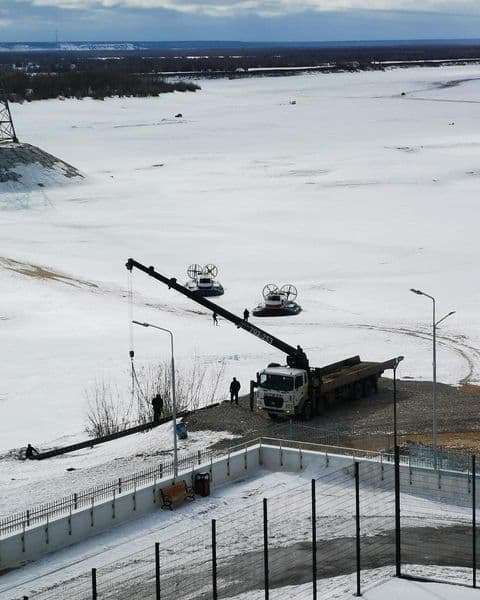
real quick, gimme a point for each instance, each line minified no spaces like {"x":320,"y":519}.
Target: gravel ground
{"x":366,"y":423}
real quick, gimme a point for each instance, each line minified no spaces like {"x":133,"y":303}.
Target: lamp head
{"x":142,"y":324}
{"x":419,"y":292}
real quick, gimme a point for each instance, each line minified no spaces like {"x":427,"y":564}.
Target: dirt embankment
{"x":367,"y":423}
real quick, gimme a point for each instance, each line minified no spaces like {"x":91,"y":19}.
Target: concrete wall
{"x":37,"y":541}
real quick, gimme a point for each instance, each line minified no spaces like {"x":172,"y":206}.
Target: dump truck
{"x":284,"y":391}
{"x":295,"y":389}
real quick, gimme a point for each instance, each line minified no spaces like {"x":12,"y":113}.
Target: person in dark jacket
{"x":246,"y":314}
{"x":214,"y":318}
{"x":31,"y":452}
{"x":234,"y":389}
{"x":157,"y":404}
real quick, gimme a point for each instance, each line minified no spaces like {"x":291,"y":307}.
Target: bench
{"x":175,"y":494}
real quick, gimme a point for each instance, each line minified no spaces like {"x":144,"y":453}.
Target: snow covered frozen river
{"x":354,"y":194}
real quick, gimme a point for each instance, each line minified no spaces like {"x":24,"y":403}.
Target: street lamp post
{"x":435,"y":324}
{"x":395,"y":366}
{"x":174,"y":402}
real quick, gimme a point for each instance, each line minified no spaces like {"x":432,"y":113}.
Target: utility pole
{"x":7,"y":130}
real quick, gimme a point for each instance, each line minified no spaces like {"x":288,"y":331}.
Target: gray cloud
{"x":225,"y":8}
{"x":247,"y":20}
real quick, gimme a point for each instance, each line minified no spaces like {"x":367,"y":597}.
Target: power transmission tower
{"x":7,"y":130}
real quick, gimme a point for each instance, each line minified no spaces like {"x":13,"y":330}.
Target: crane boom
{"x":295,"y":356}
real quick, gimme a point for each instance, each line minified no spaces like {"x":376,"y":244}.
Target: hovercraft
{"x":278,"y":302}
{"x":202,"y":280}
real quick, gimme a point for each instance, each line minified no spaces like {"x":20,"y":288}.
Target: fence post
{"x":119,"y":485}
{"x":474,"y":522}
{"x":314,"y":541}
{"x":94,"y":584}
{"x":28,"y":517}
{"x":251,"y":397}
{"x":398,"y":547}
{"x":75,"y":502}
{"x":265,"y":549}
{"x":357,"y":526}
{"x":47,"y":540}
{"x":214,"y":559}
{"x":157,"y":571}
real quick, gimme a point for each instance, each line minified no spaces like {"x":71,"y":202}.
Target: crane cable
{"x":134,"y":378}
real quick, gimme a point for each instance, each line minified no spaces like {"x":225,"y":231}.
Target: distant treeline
{"x":93,"y":84}
{"x":230,"y":60}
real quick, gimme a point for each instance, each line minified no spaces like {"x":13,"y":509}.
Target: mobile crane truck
{"x":296,"y":389}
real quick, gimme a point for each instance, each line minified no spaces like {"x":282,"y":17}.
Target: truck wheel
{"x":321,"y":405}
{"x":357,"y":391}
{"x":307,"y":413}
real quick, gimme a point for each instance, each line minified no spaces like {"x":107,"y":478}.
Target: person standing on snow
{"x":157,"y":405}
{"x":234,"y":389}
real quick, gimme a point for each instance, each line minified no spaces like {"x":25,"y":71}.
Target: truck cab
{"x":282,"y":391}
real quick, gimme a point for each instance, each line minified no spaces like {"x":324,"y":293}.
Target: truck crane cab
{"x":282,"y":391}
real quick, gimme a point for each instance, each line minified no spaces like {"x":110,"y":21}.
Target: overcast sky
{"x":247,"y":20}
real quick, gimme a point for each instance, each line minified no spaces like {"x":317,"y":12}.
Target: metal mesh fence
{"x":300,"y":558}
{"x":277,"y":544}
{"x":438,"y":525}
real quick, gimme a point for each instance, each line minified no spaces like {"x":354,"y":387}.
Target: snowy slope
{"x":355,"y":194}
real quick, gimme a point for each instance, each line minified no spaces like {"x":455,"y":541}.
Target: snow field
{"x":355,"y":194}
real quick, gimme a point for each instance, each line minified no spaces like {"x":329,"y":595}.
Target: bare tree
{"x":108,"y":410}
{"x":195,"y":386}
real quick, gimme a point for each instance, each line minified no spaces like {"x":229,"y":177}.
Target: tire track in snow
{"x":469,"y":354}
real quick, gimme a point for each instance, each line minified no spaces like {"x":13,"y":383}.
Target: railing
{"x":43,"y":513}
{"x":66,"y":505}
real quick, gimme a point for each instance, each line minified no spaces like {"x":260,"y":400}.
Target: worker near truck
{"x":234,"y":389}
{"x":31,"y":452}
{"x":246,"y":314}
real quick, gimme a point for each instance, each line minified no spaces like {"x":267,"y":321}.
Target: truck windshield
{"x":282,"y":383}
